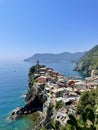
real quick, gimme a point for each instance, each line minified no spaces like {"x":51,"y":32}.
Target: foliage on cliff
{"x":33,"y":74}
{"x":34,"y":96}
{"x":89,"y":62}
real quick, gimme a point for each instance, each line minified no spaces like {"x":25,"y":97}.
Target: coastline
{"x":15,"y":84}
{"x":28,"y":105}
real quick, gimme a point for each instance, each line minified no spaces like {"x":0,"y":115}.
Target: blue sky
{"x":47,"y":26}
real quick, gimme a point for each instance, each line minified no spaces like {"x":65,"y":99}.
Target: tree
{"x":55,"y":124}
{"x":87,"y":100}
{"x":86,"y":122}
{"x":58,"y":105}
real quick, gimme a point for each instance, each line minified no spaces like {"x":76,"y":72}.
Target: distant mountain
{"x":51,"y":58}
{"x":89,"y":62}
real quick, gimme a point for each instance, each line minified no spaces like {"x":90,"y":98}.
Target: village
{"x":57,"y":89}
{"x":66,"y":90}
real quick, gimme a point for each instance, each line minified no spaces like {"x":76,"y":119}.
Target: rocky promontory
{"x":52,"y":96}
{"x":46,"y":88}
{"x":35,"y":96}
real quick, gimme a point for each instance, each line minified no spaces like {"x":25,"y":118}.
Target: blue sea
{"x":14,"y":83}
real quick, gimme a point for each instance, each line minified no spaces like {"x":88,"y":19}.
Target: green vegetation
{"x":86,"y":118}
{"x":43,"y":128}
{"x":67,"y":127}
{"x":32,"y":78}
{"x":48,"y":119}
{"x":32,"y":117}
{"x":89,"y":62}
{"x":34,"y":74}
{"x":86,"y":121}
{"x":55,"y":124}
{"x":87,"y":100}
{"x":58,"y":105}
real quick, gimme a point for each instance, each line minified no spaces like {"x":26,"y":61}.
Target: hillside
{"x":89,"y":62}
{"x":50,"y":58}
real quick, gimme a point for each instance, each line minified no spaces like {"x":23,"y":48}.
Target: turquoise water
{"x":13,"y":84}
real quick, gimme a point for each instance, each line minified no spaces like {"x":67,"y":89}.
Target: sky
{"x":47,"y":26}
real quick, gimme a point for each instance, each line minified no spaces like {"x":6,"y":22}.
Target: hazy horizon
{"x":52,"y":26}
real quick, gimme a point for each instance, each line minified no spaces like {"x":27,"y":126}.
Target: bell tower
{"x":38,"y":66}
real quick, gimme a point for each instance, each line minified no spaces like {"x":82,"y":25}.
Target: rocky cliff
{"x":89,"y":62}
{"x":35,"y":96}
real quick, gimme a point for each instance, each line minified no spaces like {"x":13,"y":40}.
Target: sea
{"x":13,"y":86}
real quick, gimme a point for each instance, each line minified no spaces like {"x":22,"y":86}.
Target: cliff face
{"x":35,"y":96}
{"x":89,"y":62}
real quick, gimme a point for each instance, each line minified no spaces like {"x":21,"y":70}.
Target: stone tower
{"x":38,"y":66}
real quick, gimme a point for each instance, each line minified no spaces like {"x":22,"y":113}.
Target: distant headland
{"x":52,"y":58}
